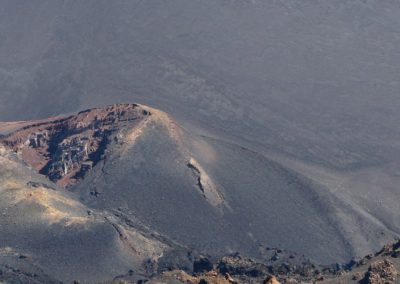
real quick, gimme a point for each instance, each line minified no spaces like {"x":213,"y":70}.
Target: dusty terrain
{"x":275,"y":127}
{"x":128,"y":186}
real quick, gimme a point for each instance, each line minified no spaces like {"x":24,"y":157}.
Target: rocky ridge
{"x":66,"y":148}
{"x":380,"y":268}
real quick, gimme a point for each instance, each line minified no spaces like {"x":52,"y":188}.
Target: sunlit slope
{"x":49,"y":232}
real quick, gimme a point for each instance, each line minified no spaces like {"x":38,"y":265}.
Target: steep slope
{"x":48,"y":236}
{"x":199,"y":192}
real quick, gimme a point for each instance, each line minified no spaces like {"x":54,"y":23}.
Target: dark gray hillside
{"x":153,"y":196}
{"x":264,"y":204}
{"x":310,"y":84}
{"x":17,"y":269}
{"x":315,"y":82}
{"x":286,"y":209}
{"x":153,"y":183}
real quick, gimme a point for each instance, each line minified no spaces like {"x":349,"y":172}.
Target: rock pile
{"x":381,"y":272}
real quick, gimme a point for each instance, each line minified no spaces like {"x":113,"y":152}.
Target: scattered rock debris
{"x":381,"y":272}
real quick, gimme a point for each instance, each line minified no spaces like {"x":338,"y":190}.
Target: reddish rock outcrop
{"x":66,"y":148}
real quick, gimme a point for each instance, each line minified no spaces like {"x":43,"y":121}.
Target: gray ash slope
{"x":235,"y":200}
{"x":310,"y":84}
{"x":158,"y":191}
